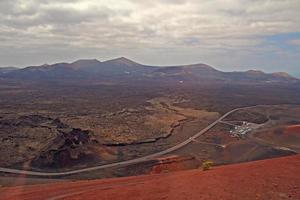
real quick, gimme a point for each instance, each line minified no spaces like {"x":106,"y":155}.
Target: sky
{"x":231,"y":35}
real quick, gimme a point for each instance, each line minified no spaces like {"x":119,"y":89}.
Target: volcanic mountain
{"x":7,"y":69}
{"x":125,"y":69}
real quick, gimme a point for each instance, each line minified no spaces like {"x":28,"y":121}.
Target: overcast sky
{"x":227,"y":34}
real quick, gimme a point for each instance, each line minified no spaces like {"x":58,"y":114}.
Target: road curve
{"x":127,"y":162}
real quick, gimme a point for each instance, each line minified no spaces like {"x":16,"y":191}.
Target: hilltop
{"x":268,"y":179}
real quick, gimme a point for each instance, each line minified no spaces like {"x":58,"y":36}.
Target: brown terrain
{"x":69,"y":116}
{"x":292,"y":130}
{"x":268,"y":179}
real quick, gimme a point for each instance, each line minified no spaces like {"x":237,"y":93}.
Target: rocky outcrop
{"x":67,"y":149}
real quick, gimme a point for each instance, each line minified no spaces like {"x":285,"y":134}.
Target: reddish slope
{"x":293,"y":130}
{"x":269,"y":179}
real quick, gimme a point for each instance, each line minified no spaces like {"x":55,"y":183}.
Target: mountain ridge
{"x":7,"y":69}
{"x":126,"y":68}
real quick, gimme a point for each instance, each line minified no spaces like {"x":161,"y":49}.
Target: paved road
{"x":127,"y":162}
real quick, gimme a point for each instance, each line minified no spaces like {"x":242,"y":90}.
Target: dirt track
{"x":268,"y":179}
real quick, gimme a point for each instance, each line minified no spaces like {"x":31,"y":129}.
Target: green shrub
{"x":206,"y":165}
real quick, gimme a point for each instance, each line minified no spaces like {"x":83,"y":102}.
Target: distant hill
{"x":7,"y":69}
{"x":125,"y":69}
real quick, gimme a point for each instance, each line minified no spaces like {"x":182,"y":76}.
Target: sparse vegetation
{"x":129,"y":117}
{"x":206,"y":165}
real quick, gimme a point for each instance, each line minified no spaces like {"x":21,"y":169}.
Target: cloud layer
{"x":228,"y":33}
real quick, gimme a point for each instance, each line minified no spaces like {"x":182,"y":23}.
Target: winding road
{"x":127,"y":162}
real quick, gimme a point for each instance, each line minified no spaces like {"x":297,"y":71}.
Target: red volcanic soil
{"x":293,"y":130}
{"x":173,"y":163}
{"x":268,"y":179}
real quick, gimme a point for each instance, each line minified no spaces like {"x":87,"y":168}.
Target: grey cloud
{"x":70,"y":16}
{"x":54,"y":15}
{"x":157,"y":2}
{"x":6,"y":6}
